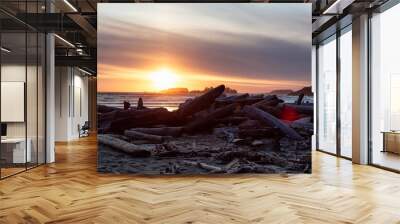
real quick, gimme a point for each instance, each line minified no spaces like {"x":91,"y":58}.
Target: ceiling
{"x":75,"y":21}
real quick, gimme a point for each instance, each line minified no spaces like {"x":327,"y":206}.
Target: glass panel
{"x":31,"y":98}
{"x":327,"y":96}
{"x":41,"y":98}
{"x":32,"y":88}
{"x":346,"y":94}
{"x":314,"y":83}
{"x":13,"y":87}
{"x":385,"y":89}
{"x":23,"y":90}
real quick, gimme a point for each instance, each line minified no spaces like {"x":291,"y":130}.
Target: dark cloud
{"x":125,"y":44}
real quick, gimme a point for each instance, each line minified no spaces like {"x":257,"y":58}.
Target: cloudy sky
{"x":250,"y":47}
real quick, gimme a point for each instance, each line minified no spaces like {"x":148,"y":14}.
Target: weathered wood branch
{"x":211,"y":168}
{"x":243,"y":99}
{"x":270,"y":101}
{"x":251,"y":124}
{"x":106,"y":109}
{"x":273,"y":110}
{"x":303,"y":123}
{"x":303,"y":109}
{"x":164,"y":131}
{"x":270,"y":120}
{"x":201,"y":102}
{"x":248,"y":101}
{"x":266,"y":99}
{"x":143,"y":118}
{"x":267,"y":132}
{"x":233,"y":97}
{"x":232,"y":120}
{"x":135,"y":135}
{"x":119,"y":144}
{"x":210,"y":120}
{"x":232,"y":166}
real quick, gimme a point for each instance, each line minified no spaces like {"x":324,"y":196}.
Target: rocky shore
{"x":211,"y":133}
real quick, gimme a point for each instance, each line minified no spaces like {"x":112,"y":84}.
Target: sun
{"x":163,"y":79}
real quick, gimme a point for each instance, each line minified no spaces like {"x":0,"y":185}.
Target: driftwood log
{"x":235,"y":120}
{"x":233,"y":97}
{"x":248,"y":134}
{"x":164,"y":131}
{"x":210,"y":120}
{"x":110,"y":116}
{"x":122,"y":137}
{"x":201,"y":102}
{"x":211,"y":168}
{"x":276,"y":110}
{"x":248,"y":101}
{"x":272,"y":121}
{"x":270,"y":100}
{"x":106,"y":116}
{"x":303,"y":123}
{"x":106,"y":109}
{"x":170,"y":150}
{"x":303,"y":109}
{"x":267,"y":132}
{"x":143,"y":118}
{"x":135,"y":135}
{"x":104,"y":121}
{"x":251,"y":124}
{"x":119,"y":144}
{"x":222,"y":101}
{"x":242,"y":100}
{"x":267,"y":103}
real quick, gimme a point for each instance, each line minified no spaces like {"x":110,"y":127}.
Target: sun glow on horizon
{"x":164,"y":79}
{"x":156,"y":78}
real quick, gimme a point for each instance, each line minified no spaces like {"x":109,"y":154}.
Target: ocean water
{"x":170,"y":102}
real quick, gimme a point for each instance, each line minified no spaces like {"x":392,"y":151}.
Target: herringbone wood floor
{"x":71,"y":191}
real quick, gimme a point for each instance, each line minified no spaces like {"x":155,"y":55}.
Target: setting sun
{"x":163,"y":79}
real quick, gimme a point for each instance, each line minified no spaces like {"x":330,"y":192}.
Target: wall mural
{"x":204,"y":88}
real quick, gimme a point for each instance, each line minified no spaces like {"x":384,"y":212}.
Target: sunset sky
{"x":250,"y":47}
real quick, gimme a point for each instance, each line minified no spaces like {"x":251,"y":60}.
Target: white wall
{"x":14,"y":73}
{"x":17,"y":73}
{"x":62,"y":82}
{"x":71,"y":102}
{"x":80,"y":110}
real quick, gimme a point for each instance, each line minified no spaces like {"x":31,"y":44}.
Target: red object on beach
{"x":289,"y":114}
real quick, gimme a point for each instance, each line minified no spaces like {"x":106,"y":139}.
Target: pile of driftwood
{"x":211,"y":133}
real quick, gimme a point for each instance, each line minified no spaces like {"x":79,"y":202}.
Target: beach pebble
{"x":257,"y":143}
{"x":238,"y":141}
